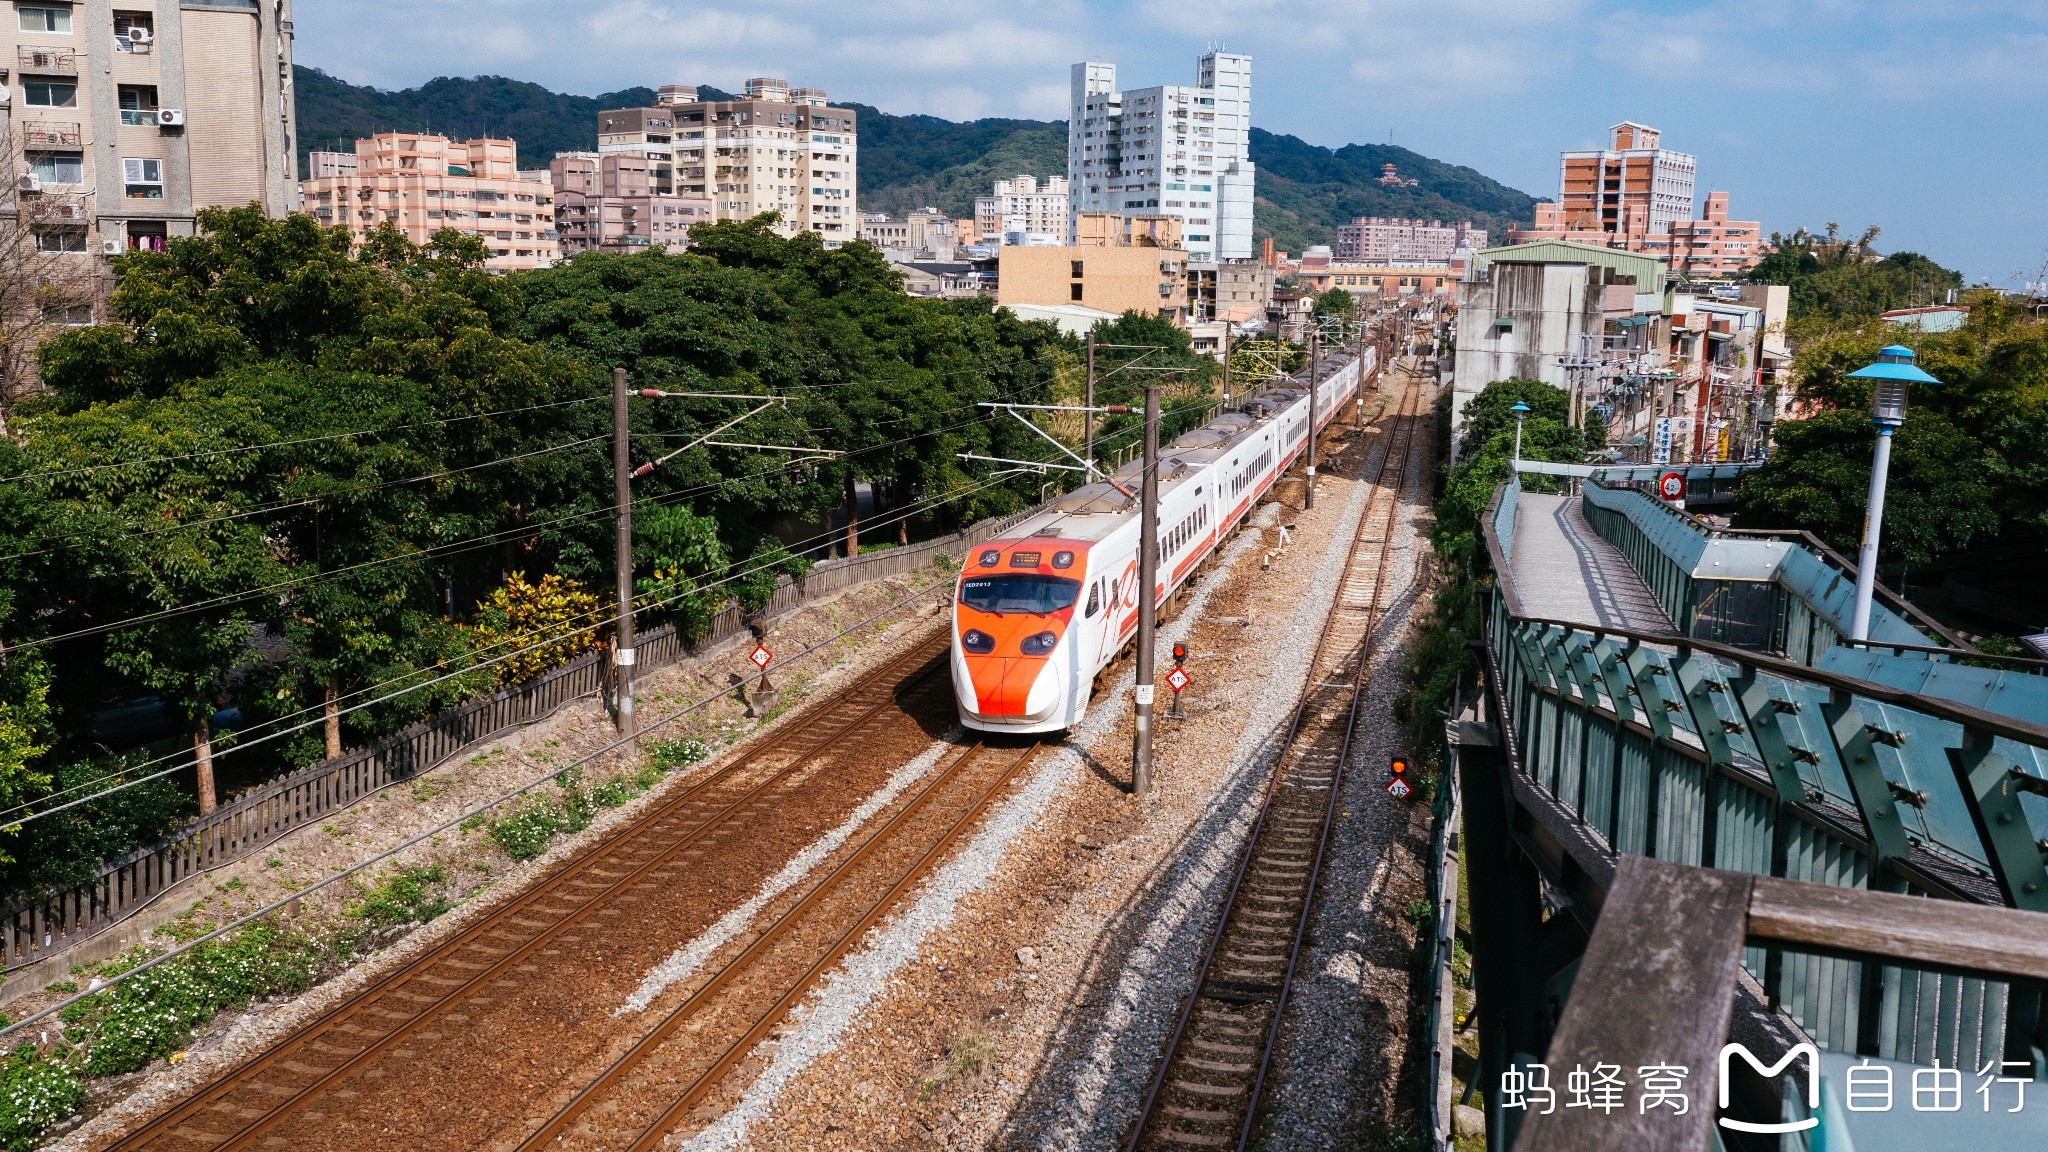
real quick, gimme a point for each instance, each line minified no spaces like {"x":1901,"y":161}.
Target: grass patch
{"x":36,"y":1091}
{"x":526,"y":833}
{"x":412,"y":895}
{"x":969,"y":1053}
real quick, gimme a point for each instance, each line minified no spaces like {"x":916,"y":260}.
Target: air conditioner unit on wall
{"x":171,"y":118}
{"x":110,"y":247}
{"x":30,"y":182}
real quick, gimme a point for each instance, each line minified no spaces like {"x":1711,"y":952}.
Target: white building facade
{"x":1174,"y":150}
{"x":1023,"y":211}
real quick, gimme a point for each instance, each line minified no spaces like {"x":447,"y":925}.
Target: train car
{"x":1041,"y":609}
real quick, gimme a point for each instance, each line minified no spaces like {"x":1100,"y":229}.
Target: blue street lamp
{"x":1888,"y":379}
{"x":1520,"y":410}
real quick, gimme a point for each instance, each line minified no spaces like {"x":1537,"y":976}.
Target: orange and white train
{"x":1042,"y":608}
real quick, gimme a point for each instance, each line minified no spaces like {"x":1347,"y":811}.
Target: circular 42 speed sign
{"x":1671,"y":486}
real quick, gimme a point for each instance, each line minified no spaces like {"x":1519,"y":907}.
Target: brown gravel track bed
{"x":535,"y":980}
{"x":1025,"y":1013}
{"x":652,"y":1089}
{"x":1208,"y":1090}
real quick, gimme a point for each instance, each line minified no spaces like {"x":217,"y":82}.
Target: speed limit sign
{"x":1671,"y":486}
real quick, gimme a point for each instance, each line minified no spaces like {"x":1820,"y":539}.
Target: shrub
{"x":35,"y":1092}
{"x":520,"y":615}
{"x":525,"y":834}
{"x":408,"y":896}
{"x":153,"y":1013}
{"x":672,"y":754}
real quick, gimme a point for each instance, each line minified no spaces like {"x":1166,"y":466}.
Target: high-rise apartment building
{"x":121,"y":120}
{"x":605,"y":202}
{"x":1023,"y":211}
{"x":1633,"y":185}
{"x":777,"y":149}
{"x":1177,"y":150}
{"x":1638,"y":196}
{"x":1380,"y":240}
{"x":420,"y":183}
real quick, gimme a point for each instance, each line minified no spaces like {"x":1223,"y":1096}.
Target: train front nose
{"x":1007,"y":691}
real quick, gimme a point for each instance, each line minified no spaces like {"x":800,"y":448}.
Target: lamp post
{"x":1888,"y":379}
{"x":1520,"y":410}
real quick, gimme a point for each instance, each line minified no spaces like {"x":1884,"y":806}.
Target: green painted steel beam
{"x":1992,"y":789}
{"x":1873,"y":793}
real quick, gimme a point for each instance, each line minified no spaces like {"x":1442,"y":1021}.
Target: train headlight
{"x":978,"y":642}
{"x":1038,"y":645}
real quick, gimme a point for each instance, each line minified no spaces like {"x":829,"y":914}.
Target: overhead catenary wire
{"x":19,"y":814}
{"x":437,"y":551}
{"x":52,"y":474}
{"x":551,"y":776}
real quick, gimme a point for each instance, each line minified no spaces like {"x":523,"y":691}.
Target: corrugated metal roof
{"x":1647,"y":270}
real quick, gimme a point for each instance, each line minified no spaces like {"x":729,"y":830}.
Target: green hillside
{"x":1305,"y":192}
{"x":907,"y":162}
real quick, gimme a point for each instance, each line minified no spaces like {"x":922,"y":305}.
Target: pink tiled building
{"x":421,"y":183}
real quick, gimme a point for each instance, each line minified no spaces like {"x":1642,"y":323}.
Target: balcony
{"x":51,"y":134}
{"x":48,"y":61}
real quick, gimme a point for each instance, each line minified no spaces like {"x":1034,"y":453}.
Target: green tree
{"x":1336,"y":302}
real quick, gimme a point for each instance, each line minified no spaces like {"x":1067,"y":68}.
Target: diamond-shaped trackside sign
{"x":1399,"y":789}
{"x":1178,"y":679}
{"x":760,"y":656}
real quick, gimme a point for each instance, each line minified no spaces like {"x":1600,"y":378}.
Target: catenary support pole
{"x":1088,"y":417}
{"x":1308,"y":487}
{"x":1148,"y":595}
{"x":622,"y":494}
{"x":1226,"y":365}
{"x":1873,"y":524}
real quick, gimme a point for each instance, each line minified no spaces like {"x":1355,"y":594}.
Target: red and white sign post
{"x":1671,"y":486}
{"x":1178,"y":680}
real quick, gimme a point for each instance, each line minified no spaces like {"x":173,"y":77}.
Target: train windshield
{"x":1039,"y":595}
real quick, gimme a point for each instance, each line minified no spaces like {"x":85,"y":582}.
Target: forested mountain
{"x":906,"y":162}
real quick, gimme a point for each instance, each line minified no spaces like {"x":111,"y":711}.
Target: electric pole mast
{"x":622,"y":494}
{"x":1088,"y":417}
{"x":1308,"y":489}
{"x":1148,"y":592}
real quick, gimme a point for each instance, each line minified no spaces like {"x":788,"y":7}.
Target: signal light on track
{"x":1180,"y":653}
{"x":1399,"y":766}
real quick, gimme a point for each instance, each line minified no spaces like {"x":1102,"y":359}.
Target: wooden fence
{"x":262,"y":815}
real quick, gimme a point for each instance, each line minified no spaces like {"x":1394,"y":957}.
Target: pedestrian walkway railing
{"x":1694,"y":752}
{"x":1781,"y":592}
{"x":55,"y":921}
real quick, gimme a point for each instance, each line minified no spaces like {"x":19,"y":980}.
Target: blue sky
{"x":1923,"y":116}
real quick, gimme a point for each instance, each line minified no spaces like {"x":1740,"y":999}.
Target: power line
{"x":552,"y":775}
{"x":895,"y":515}
{"x":53,"y":474}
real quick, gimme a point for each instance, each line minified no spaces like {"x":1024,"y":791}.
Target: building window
{"x":142,"y":179}
{"x":1074,"y":291}
{"x":45,"y":19}
{"x":1077,"y":272}
{"x":61,"y":240}
{"x":69,"y":315}
{"x":50,"y":93}
{"x":58,"y":167}
{"x":138,"y":104}
{"x":146,"y":236}
{"x":133,"y":31}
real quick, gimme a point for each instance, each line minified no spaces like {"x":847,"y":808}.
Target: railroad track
{"x":1207,"y":1091}
{"x":653,"y":1088}
{"x":592,"y":894}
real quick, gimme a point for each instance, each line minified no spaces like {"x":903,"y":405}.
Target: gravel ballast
{"x":1028,"y":1013}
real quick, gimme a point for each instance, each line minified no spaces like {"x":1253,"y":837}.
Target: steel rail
{"x":621,"y":1068}
{"x":1409,"y":417}
{"x":922,"y":665}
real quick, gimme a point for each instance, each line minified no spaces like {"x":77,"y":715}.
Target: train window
{"x":1039,"y":595}
{"x":1094,"y":599}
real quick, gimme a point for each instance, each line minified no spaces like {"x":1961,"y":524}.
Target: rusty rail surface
{"x":1209,"y":1085}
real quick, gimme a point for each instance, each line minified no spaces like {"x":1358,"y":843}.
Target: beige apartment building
{"x":778,"y":149}
{"x":607,"y":203}
{"x":1023,"y":210}
{"x":1123,"y":264}
{"x":119,"y":122}
{"x":421,"y":183}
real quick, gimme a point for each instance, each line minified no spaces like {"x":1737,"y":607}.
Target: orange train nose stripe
{"x":1003,"y":679}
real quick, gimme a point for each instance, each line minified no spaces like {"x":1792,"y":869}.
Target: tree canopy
{"x":298,"y":475}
